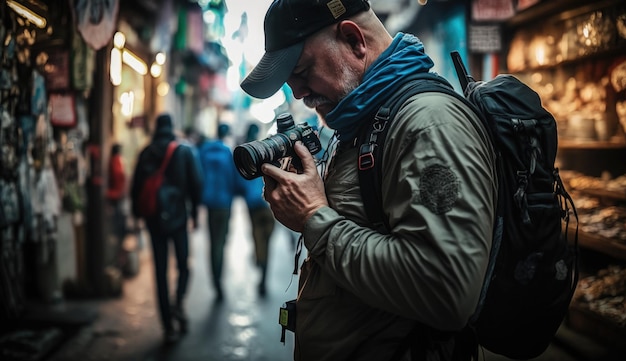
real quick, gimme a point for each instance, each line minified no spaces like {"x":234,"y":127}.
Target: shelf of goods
{"x":598,"y":308}
{"x":546,"y":37}
{"x":572,"y":54}
{"x":599,"y":305}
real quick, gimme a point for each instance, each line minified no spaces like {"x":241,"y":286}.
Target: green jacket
{"x":361,"y":291}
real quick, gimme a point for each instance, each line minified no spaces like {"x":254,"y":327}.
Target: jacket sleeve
{"x":439,"y":194}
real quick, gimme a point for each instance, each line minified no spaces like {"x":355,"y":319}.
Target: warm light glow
{"x":587,"y":30}
{"x":119,"y":40}
{"x":422,"y":2}
{"x":134,"y":62}
{"x":163,"y":89}
{"x":540,"y":54}
{"x":127,"y":100}
{"x":160,"y":58}
{"x":155,"y":70}
{"x":115,"y":69}
{"x":38,"y":20}
{"x":140,"y":95}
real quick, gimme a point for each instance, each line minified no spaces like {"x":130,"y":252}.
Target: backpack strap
{"x":171,"y":147}
{"x":371,"y":142}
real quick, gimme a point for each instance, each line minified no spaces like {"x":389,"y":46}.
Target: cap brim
{"x":272,"y":71}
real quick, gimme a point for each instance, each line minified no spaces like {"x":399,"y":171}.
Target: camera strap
{"x":296,"y":260}
{"x":287,"y":314}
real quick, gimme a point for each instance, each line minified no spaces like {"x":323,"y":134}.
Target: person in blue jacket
{"x":261,"y":218}
{"x":220,"y":176}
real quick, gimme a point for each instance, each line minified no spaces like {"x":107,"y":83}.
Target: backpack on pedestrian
{"x":533,"y":266}
{"x":155,"y":195}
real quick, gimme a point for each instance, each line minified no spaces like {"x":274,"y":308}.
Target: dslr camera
{"x":250,"y":156}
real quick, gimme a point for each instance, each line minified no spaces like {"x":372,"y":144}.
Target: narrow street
{"x":242,"y":327}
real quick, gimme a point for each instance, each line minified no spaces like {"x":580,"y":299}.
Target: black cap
{"x":287,"y":25}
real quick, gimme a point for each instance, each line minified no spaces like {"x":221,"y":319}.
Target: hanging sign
{"x":492,"y":10}
{"x":57,"y":69}
{"x":484,"y":38}
{"x":96,"y":20}
{"x":62,"y":110}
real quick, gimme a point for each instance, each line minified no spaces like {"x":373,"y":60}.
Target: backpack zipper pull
{"x":529,"y":128}
{"x":520,"y":195}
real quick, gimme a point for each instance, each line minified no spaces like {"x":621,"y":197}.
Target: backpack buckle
{"x":366,"y":156}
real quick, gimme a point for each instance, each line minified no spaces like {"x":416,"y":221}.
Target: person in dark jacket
{"x":261,"y":217}
{"x":220,"y":176}
{"x":183,"y":173}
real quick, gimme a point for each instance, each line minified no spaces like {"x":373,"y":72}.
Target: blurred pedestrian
{"x":183,"y":174}
{"x":220,"y":176}
{"x":193,"y":138}
{"x":261,"y":218}
{"x":115,"y":195}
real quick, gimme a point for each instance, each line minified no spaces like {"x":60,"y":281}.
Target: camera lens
{"x":249,"y":157}
{"x":245,"y":161}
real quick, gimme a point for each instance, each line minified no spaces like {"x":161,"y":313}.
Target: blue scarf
{"x":405,"y":56}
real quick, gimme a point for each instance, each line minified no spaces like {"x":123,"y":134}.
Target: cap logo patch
{"x":336,"y":8}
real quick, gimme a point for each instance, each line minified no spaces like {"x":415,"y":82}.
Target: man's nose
{"x":299,"y":88}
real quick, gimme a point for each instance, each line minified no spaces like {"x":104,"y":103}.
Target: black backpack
{"x":533,"y":268}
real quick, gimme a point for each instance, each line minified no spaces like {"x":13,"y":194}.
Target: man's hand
{"x":294,"y":197}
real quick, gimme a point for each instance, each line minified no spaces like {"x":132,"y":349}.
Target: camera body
{"x":249,"y":157}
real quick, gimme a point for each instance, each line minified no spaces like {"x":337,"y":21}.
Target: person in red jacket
{"x":115,"y":194}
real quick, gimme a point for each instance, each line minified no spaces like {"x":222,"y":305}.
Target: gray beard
{"x":351,"y":83}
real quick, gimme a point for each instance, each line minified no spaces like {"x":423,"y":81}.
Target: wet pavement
{"x":244,"y":326}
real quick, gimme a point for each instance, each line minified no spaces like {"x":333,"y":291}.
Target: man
{"x":364,"y":294}
{"x":183,"y":173}
{"x":220,"y":177}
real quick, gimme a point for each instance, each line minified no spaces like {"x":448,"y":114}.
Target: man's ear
{"x":353,"y":36}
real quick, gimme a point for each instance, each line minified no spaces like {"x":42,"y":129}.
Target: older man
{"x":364,"y":294}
